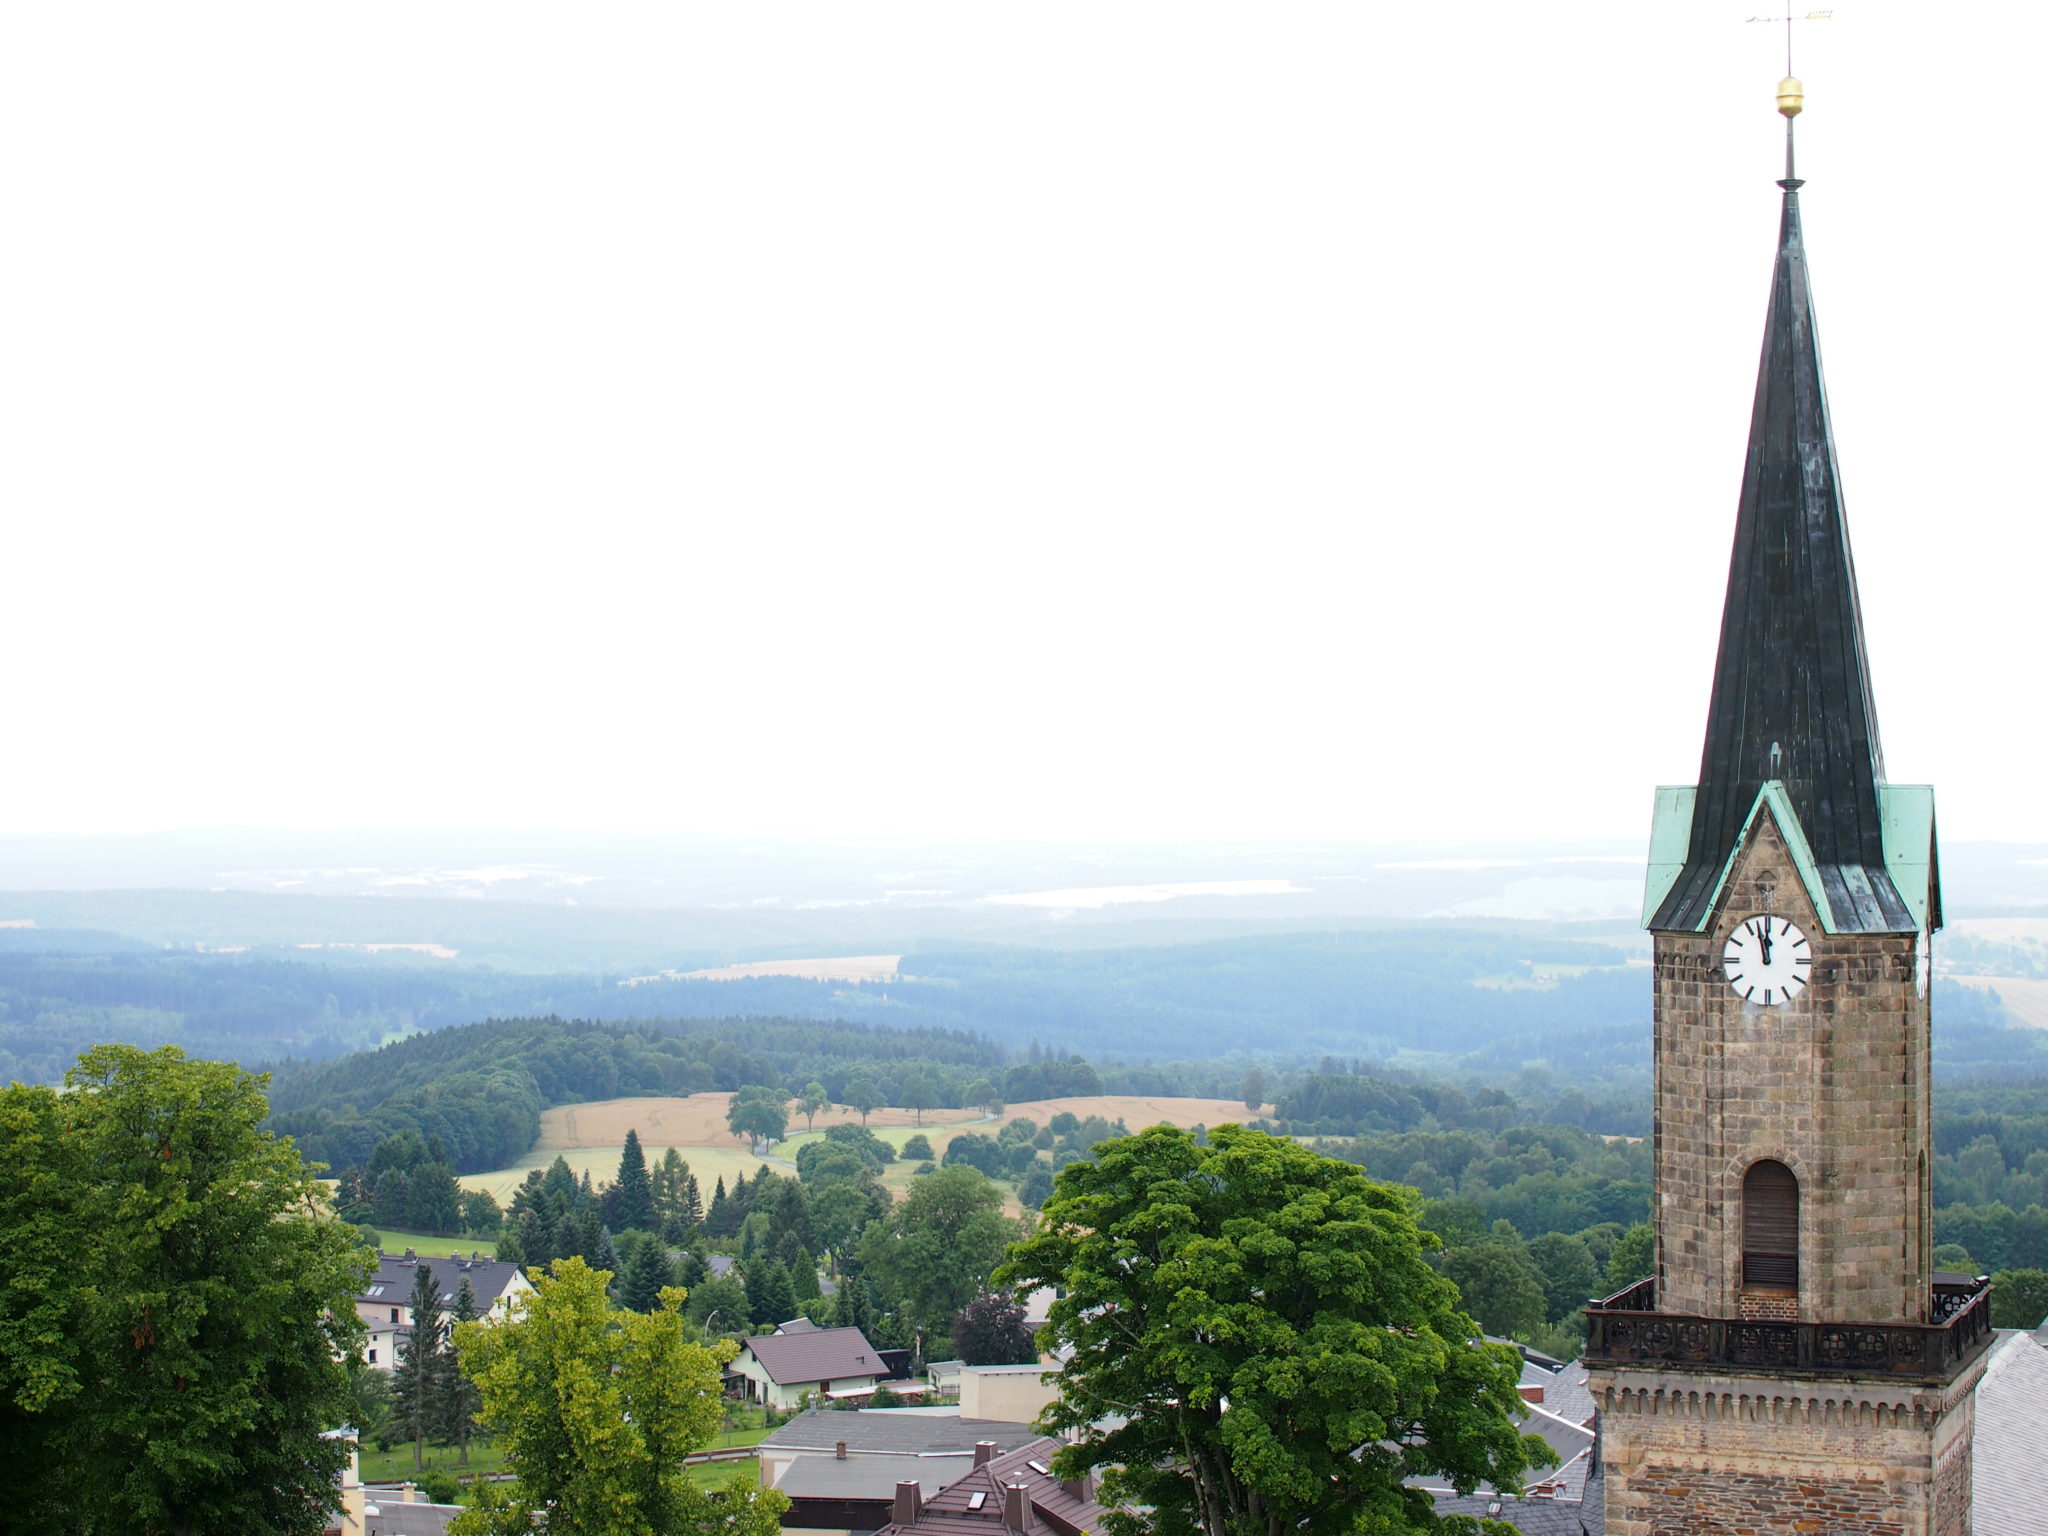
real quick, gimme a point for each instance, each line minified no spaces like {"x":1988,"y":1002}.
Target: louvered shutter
{"x":1770,"y":1227}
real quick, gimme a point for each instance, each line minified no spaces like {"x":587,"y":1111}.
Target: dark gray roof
{"x":1791,"y":698}
{"x":868,"y":1476}
{"x":1533,"y":1517}
{"x":392,"y":1284}
{"x":2012,"y":1430}
{"x":1564,"y":1391}
{"x":822,"y":1354}
{"x":896,"y":1434}
{"x":396,"y":1519}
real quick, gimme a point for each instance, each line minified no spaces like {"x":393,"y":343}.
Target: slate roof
{"x":1528,"y":1516}
{"x":397,"y":1519}
{"x":821,"y":1354}
{"x":392,"y":1284}
{"x":2012,"y":1430}
{"x":868,"y":1476}
{"x":874,"y":1431}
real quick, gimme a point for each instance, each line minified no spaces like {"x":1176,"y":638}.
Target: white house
{"x":780,"y":1367}
{"x":385,"y":1306}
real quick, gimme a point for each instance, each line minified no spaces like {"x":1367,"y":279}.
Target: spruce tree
{"x":459,"y":1403}
{"x":418,"y":1383}
{"x":768,"y":1294}
{"x":715,"y":1222}
{"x":639,"y":1288}
{"x":693,"y":1202}
{"x":635,"y":1190}
{"x":803,"y":1277}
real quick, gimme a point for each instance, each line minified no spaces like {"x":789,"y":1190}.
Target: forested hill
{"x":480,"y":1088}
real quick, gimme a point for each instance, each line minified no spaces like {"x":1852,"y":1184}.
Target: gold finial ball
{"x":1791,"y":96}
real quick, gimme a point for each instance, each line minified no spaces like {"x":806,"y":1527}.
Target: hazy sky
{"x":1056,"y":419}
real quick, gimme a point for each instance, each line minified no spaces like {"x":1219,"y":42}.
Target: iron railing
{"x":1627,"y":1329}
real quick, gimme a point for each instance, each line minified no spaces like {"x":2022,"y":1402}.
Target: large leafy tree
{"x":177,"y":1308}
{"x":595,"y":1409}
{"x":758,"y":1114}
{"x":1263,"y":1325}
{"x":934,"y":1249}
{"x":992,"y":1331}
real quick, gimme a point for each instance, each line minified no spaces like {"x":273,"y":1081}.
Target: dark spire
{"x":1791,"y":684}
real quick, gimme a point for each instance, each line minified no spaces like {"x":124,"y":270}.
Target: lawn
{"x":394,"y":1241}
{"x":395,"y":1465}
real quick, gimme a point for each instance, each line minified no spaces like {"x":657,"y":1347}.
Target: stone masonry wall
{"x":1834,"y":1084}
{"x":1698,"y":1454}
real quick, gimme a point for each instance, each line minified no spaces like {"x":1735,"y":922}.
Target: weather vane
{"x":1791,"y":94}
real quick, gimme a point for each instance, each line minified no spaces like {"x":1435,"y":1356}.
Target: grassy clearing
{"x":716,"y":1474}
{"x":395,"y":1241}
{"x":395,"y":1465}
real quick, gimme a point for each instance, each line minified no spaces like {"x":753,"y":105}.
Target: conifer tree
{"x":459,"y":1401}
{"x":418,"y":1383}
{"x":803,"y":1277}
{"x":635,"y":1191}
{"x":716,"y":1220}
{"x":693,"y":1202}
{"x":768,"y":1294}
{"x":639,"y":1287}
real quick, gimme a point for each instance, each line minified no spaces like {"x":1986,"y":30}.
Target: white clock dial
{"x":1768,"y":961}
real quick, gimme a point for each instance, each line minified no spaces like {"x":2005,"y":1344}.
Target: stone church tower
{"x":1794,"y":1364}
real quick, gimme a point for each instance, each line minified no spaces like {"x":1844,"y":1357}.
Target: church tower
{"x":1794,"y":1363}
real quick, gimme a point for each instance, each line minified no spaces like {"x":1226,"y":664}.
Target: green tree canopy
{"x":1500,"y":1285}
{"x":864,"y":1094}
{"x":935,"y":1247}
{"x":811,"y":1100}
{"x":2019,"y":1298}
{"x":177,"y":1309}
{"x":635,"y":1190}
{"x":1265,"y":1325}
{"x":596,"y":1409}
{"x":758,"y":1114}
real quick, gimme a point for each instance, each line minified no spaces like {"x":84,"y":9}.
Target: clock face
{"x":1768,"y":961}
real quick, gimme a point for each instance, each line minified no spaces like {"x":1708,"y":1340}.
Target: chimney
{"x":984,"y":1452}
{"x":1532,"y":1394}
{"x":909,"y":1504}
{"x":1074,"y":1487}
{"x":839,"y":1449}
{"x":408,"y":1493}
{"x":1017,"y":1507}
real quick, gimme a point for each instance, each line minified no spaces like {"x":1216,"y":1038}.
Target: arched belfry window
{"x":1770,"y":1227}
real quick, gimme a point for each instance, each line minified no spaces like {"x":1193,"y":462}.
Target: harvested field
{"x":590,"y":1136}
{"x":2025,"y":997}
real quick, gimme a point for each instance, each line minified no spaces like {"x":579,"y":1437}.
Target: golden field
{"x":590,"y":1136}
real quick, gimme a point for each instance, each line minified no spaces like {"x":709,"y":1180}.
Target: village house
{"x":385,"y":1305}
{"x":779,"y":1368}
{"x":840,"y":1469}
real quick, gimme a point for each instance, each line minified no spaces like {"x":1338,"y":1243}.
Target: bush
{"x":918,"y":1148}
{"x":440,"y":1487}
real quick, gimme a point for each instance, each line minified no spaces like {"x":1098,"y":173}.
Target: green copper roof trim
{"x":1670,"y":837}
{"x":1908,"y":811}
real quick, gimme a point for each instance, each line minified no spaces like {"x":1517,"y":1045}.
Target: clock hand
{"x":1764,"y":933}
